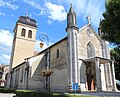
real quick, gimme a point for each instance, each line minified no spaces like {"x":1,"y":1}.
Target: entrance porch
{"x":99,"y":74}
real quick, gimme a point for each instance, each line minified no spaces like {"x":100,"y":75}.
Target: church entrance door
{"x":90,"y":70}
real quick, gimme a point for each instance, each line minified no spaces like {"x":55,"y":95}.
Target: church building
{"x":81,"y":57}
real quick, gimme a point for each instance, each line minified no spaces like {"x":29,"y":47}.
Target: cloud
{"x":4,"y":58}
{"x":5,"y":45}
{"x":7,"y":37}
{"x":12,"y":15}
{"x":7,"y":57}
{"x":52,"y":11}
{"x":2,"y":48}
{"x":1,"y":13}
{"x":49,"y":22}
{"x":34,"y":4}
{"x":56,"y":12}
{"x":8,"y":5}
{"x":37,"y":46}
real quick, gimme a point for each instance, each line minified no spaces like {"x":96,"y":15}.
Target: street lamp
{"x":42,"y":37}
{"x":46,"y":72}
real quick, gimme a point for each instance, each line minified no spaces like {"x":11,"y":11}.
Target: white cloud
{"x":12,"y":15}
{"x":49,"y":22}
{"x":1,"y":13}
{"x":4,"y":59}
{"x":8,"y":5}
{"x":37,"y":46}
{"x":6,"y":37}
{"x":7,"y":57}
{"x":42,"y":12}
{"x":56,"y":12}
{"x":38,"y":14}
{"x":34,"y":4}
{"x":2,"y":48}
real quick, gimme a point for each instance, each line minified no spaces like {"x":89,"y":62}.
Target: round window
{"x":89,"y":32}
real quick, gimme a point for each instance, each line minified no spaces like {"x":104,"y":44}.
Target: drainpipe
{"x":27,"y":70}
{"x":11,"y":79}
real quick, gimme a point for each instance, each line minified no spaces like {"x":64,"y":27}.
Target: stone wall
{"x":84,"y":38}
{"x":59,"y":77}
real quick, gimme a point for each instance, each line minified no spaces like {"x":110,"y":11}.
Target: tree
{"x":115,"y":56}
{"x":110,"y":25}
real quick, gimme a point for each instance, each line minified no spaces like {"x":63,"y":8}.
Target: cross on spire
{"x":89,"y":19}
{"x":26,"y":12}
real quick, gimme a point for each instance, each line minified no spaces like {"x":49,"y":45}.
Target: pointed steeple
{"x":71,"y":19}
{"x":71,"y":9}
{"x":99,"y":29}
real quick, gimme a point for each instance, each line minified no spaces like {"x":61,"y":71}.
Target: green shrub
{"x":4,"y":90}
{"x":29,"y":93}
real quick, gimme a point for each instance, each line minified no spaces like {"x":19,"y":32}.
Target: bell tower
{"x":23,"y":41}
{"x":72,"y":30}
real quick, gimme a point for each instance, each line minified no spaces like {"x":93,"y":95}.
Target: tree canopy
{"x":110,"y":25}
{"x":115,"y":56}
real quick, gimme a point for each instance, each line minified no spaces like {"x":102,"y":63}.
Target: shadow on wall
{"x":38,"y":72}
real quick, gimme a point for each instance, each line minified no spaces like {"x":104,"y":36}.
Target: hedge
{"x":4,"y":90}
{"x":29,"y":93}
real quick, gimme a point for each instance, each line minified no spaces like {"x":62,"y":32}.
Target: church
{"x":81,"y":57}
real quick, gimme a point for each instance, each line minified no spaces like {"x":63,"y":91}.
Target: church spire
{"x":71,"y":19}
{"x":99,"y":29}
{"x":71,"y":9}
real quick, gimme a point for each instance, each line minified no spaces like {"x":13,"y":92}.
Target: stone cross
{"x":89,"y":19}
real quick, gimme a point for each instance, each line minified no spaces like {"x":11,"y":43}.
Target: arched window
{"x":23,"y":32}
{"x":57,"y":53}
{"x":90,"y":50}
{"x":29,"y":34}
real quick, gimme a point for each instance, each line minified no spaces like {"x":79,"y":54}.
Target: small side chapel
{"x":81,"y":57}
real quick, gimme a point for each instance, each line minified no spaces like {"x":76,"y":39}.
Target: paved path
{"x":100,"y":94}
{"x":116,"y":94}
{"x":6,"y":95}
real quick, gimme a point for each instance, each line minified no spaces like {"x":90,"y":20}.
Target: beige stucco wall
{"x":84,"y":39}
{"x":59,"y":77}
{"x":19,"y":79}
{"x":23,"y":47}
{"x":27,"y":28}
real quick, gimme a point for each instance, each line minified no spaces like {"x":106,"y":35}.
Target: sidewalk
{"x":100,"y":94}
{"x":6,"y":95}
{"x":116,"y":94}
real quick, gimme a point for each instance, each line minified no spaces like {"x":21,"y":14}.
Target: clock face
{"x":89,"y":32}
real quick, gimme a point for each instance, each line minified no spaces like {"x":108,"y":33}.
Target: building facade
{"x":4,"y":69}
{"x":24,"y":39}
{"x":81,"y":57}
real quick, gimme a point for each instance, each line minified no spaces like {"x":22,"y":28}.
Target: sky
{"x":50,"y":16}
